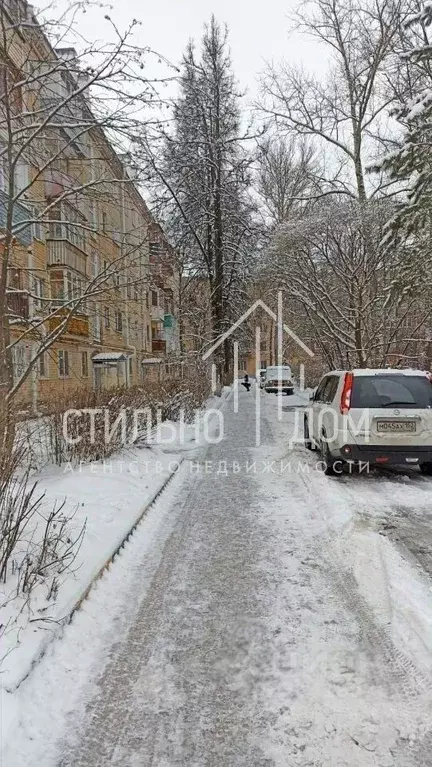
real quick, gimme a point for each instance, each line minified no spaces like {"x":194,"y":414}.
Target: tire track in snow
{"x":389,"y":667}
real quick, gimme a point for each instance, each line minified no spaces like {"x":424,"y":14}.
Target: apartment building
{"x":92,"y":281}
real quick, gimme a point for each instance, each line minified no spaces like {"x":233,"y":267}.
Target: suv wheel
{"x":328,"y":459}
{"x":426,"y":468}
{"x":309,"y":445}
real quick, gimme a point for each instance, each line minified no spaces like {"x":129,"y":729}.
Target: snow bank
{"x":33,"y":716}
{"x":107,"y":496}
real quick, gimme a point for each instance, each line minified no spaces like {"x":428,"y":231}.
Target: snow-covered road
{"x":264,"y":616}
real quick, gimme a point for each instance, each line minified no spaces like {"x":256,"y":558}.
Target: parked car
{"x":279,"y":378}
{"x":381,"y":417}
{"x":261,"y":377}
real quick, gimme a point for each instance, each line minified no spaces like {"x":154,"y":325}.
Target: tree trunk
{"x":7,"y":431}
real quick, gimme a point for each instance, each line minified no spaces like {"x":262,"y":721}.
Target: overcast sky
{"x":259,"y":31}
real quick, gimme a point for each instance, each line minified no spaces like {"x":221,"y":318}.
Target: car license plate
{"x":391,"y":427}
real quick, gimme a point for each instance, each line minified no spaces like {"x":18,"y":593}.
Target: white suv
{"x":381,"y":417}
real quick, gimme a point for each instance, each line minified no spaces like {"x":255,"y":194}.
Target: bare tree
{"x":286,"y":176}
{"x":343,"y":113}
{"x":343,"y":281}
{"x":340,"y":291}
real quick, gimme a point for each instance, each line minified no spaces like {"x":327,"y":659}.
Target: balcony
{"x":18,"y":305}
{"x":64,"y":253}
{"x":169,"y":321}
{"x":157,"y":314}
{"x":57,"y":182}
{"x":78,"y":325}
{"x":158,"y":346}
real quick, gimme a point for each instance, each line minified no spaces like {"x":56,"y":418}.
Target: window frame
{"x":328,"y":389}
{"x":321,"y":388}
{"x":118,"y":321}
{"x":63,"y":362}
{"x":19,"y":365}
{"x":84,"y":364}
{"x":42,"y":366}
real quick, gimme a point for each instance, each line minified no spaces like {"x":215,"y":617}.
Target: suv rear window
{"x":393,"y":390}
{"x":275,"y":373}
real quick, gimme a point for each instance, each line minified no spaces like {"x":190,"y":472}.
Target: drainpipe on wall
{"x":136,"y":357}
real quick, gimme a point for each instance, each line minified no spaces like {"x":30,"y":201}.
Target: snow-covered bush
{"x":86,"y":442}
{"x":36,"y":546}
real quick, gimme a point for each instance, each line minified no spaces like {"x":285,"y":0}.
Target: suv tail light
{"x":345,"y":402}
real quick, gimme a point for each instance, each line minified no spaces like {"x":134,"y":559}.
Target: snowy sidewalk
{"x":236,"y":633}
{"x":105,"y":499}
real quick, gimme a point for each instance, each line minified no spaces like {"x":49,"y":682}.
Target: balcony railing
{"x":18,"y":305}
{"x":169,"y":321}
{"x":158,"y":346}
{"x":64,"y":253}
{"x":76,"y":326}
{"x":157,"y":313}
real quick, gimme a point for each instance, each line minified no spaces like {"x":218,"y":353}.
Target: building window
{"x":39,"y":292}
{"x":130,"y":366}
{"x":104,"y":222}
{"x":38,"y":226}
{"x":154,"y":298}
{"x":74,"y":287}
{"x":43,"y":368}
{"x":96,"y":325}
{"x":107,"y":317}
{"x":118,"y":321}
{"x":93,"y":215}
{"x":18,"y":361}
{"x":84,"y":364}
{"x":63,"y":363}
{"x":94,"y":264}
{"x":21,"y":176}
{"x":69,"y":225}
{"x":16,"y":9}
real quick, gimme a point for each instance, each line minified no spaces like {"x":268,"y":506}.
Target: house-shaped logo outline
{"x":258,"y":303}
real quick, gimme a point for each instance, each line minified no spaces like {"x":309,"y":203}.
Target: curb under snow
{"x":117,"y":549}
